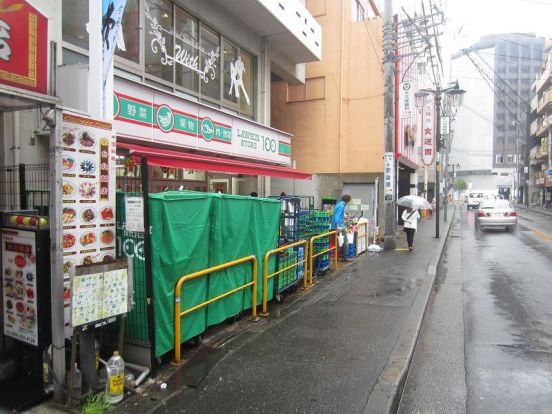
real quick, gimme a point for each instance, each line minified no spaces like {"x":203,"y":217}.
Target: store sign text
{"x":254,"y":141}
{"x":23,"y":47}
{"x":428,"y":134}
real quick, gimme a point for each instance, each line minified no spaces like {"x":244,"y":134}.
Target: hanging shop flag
{"x":428,"y":132}
{"x":112,"y":13}
{"x":23,"y":46}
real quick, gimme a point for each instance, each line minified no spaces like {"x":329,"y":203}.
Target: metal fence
{"x":25,"y":187}
{"x":135,"y":245}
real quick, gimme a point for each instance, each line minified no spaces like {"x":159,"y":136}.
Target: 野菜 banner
{"x":88,"y":193}
{"x":148,"y":115}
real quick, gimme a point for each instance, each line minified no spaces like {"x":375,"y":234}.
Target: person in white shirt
{"x":410,"y":218}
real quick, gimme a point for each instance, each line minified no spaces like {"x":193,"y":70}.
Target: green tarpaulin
{"x":193,"y":231}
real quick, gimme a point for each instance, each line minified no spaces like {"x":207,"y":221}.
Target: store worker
{"x":338,"y":222}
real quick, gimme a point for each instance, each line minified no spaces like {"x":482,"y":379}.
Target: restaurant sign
{"x":23,"y":46}
{"x":149,"y":115}
{"x":428,"y":132}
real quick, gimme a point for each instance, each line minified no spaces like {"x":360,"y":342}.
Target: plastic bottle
{"x":115,"y":385}
{"x":77,"y":384}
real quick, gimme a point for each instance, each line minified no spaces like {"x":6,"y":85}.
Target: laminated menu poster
{"x":98,"y":296}
{"x":88,"y":194}
{"x":19,"y":285}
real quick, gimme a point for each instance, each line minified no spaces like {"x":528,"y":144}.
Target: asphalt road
{"x":486,"y":340}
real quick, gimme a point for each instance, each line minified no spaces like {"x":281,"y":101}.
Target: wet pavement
{"x":324,"y":352}
{"x":486,"y":343}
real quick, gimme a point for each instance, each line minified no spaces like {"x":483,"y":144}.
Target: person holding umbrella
{"x":410,"y":218}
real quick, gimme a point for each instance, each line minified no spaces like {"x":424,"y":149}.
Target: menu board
{"x":19,"y":285}
{"x":88,"y":194}
{"x":99,"y":295}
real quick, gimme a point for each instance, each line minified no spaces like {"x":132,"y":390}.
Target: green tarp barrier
{"x":194,"y":231}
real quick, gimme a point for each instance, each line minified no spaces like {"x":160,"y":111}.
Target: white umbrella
{"x":414,"y":202}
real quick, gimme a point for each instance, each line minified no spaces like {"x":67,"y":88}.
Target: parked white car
{"x":474,"y":199}
{"x":496,"y":213}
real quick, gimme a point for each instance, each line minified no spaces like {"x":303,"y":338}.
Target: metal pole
{"x":56,"y":266}
{"x":445,"y":190}
{"x":389,"y":122}
{"x":438,"y":160}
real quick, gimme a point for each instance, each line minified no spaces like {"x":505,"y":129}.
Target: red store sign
{"x":23,"y":46}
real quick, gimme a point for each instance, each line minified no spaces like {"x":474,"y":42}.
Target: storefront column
{"x":56,"y":255}
{"x":413,"y":183}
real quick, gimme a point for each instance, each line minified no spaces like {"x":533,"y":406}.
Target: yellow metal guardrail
{"x":312,"y":255}
{"x":266,"y":276}
{"x":178,"y":289}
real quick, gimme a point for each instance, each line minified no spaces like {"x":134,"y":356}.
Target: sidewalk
{"x":540,"y":210}
{"x":344,"y":346}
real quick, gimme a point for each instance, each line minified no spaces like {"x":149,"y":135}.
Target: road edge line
{"x":385,"y":395}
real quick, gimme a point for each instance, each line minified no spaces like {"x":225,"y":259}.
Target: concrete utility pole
{"x":389,"y":127}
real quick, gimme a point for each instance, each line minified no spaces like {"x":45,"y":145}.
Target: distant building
{"x":492,"y":128}
{"x":539,"y":181}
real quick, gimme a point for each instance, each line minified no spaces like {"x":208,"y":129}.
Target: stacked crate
{"x":321,"y":224}
{"x":288,"y":277}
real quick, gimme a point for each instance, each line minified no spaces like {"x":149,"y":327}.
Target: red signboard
{"x":23,"y":46}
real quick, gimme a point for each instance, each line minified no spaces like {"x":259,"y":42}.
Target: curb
{"x":385,"y":395}
{"x":534,"y":210}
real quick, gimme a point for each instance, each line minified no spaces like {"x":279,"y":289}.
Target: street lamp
{"x":455,"y":96}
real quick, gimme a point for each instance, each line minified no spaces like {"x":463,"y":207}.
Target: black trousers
{"x":409,"y":235}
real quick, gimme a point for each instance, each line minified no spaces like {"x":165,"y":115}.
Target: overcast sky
{"x":468,"y":20}
{"x":471,"y":19}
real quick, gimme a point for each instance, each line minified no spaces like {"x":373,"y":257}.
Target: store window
{"x":128,"y":45}
{"x":74,"y":20}
{"x":160,"y":11}
{"x":210,"y":64}
{"x":186,"y":45}
{"x":357,"y":11}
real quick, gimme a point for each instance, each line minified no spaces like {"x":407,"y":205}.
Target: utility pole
{"x":438,"y":160}
{"x":389,"y":127}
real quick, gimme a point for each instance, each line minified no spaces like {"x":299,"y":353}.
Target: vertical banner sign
{"x":406,"y":100}
{"x":112,"y":13}
{"x":88,"y":194}
{"x":23,"y":46}
{"x":389,"y":177}
{"x":428,"y":132}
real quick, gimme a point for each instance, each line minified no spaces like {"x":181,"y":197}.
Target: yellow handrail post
{"x":312,"y":255}
{"x":254,"y":291}
{"x":336,"y":244}
{"x":266,"y":276}
{"x":264,"y":311}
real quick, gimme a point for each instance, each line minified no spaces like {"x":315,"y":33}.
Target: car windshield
{"x":502,"y":204}
{"x":476,"y":195}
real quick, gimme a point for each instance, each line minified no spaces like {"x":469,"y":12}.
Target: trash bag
{"x":341,"y":239}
